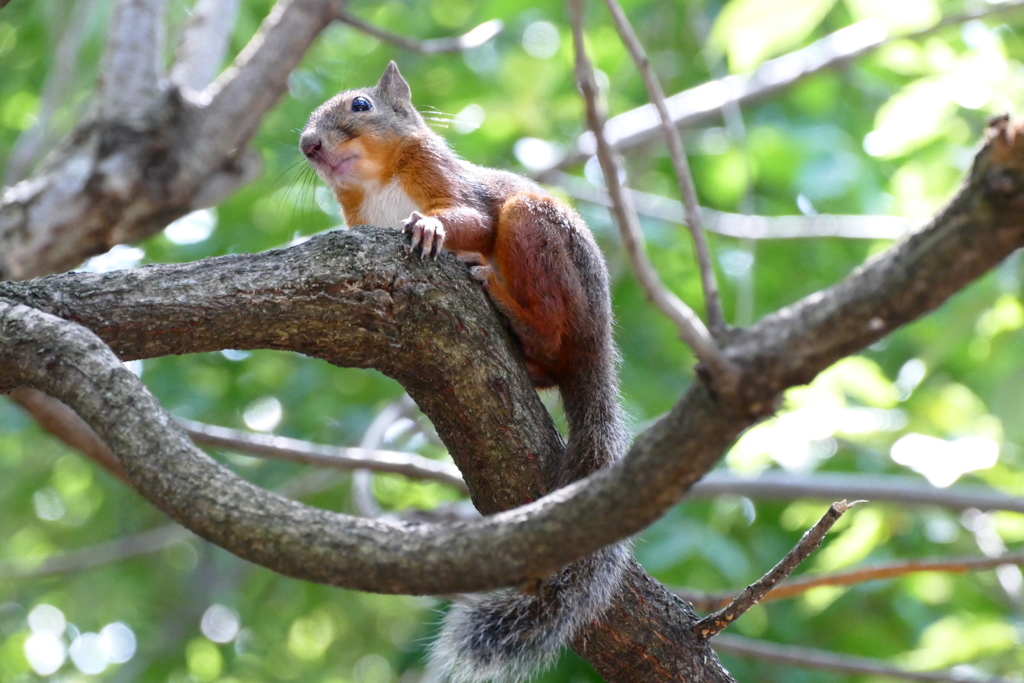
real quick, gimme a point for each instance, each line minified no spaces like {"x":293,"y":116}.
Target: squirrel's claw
{"x":427,"y":234}
{"x":478,"y":268}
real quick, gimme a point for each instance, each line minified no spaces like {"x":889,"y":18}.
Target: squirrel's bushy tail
{"x":507,"y":636}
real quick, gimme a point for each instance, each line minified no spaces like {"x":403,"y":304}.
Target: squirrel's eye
{"x":361,"y":104}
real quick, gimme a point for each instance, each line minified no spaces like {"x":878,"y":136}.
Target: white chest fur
{"x":387,"y":205}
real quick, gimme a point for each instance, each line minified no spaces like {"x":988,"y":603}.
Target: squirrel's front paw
{"x":427,"y":234}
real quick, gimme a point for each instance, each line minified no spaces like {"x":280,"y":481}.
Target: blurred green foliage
{"x":892,"y":132}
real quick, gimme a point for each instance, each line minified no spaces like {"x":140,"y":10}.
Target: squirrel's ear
{"x":392,"y":83}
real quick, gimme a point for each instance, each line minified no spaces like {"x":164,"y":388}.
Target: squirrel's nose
{"x":310,"y":144}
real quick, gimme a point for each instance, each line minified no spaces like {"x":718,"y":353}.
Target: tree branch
{"x":409,"y":465}
{"x":132,"y":67}
{"x":716,"y":318}
{"x":744,"y":226}
{"x":475,"y":37}
{"x":893,"y":570}
{"x":831,"y":485}
{"x":816,"y":659}
{"x":233,"y":106}
{"x":691,"y":328}
{"x":705,"y":103}
{"x":301,"y":285}
{"x":204,"y":42}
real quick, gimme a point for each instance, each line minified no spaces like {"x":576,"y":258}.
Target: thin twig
{"x":706,"y":102}
{"x":736,"y":134}
{"x":793,"y":587}
{"x":691,"y":328}
{"x":903,"y":490}
{"x":293,"y":450}
{"x":714,"y":624}
{"x":817,"y":659}
{"x":716,"y":317}
{"x":134,"y":545}
{"x":472,"y":38}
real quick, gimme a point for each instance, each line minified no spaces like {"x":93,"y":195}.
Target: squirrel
{"x":538,"y":261}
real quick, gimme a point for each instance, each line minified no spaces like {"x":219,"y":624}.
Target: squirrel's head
{"x":354,"y":122}
{"x":386,"y":107}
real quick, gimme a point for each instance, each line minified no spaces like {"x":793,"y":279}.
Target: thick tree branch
{"x":203,"y":496}
{"x":271,"y":300}
{"x":361,"y":285}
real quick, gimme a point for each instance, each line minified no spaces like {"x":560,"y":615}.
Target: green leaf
{"x":750,"y":31}
{"x":902,"y":17}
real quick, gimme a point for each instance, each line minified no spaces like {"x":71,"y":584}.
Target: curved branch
{"x":205,"y":497}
